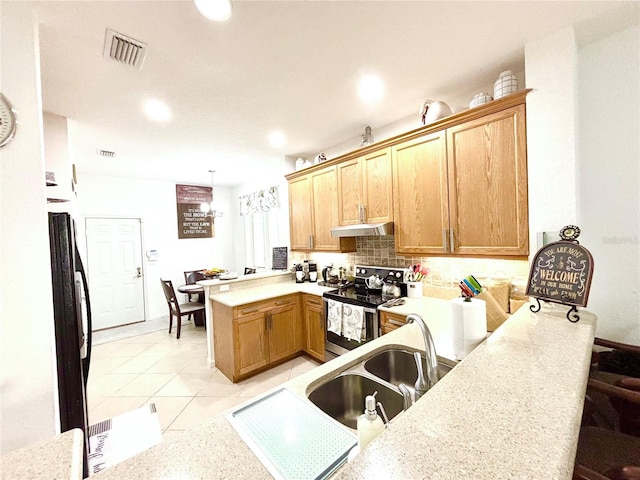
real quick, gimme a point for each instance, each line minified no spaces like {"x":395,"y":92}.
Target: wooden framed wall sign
{"x":561,"y":273}
{"x":192,"y":222}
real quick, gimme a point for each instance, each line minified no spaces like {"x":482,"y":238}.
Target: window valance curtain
{"x":261,"y":201}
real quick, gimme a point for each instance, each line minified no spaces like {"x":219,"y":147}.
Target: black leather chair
{"x":609,"y":441}
{"x":175,"y":308}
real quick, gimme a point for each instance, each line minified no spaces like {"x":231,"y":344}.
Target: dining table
{"x":194,"y":289}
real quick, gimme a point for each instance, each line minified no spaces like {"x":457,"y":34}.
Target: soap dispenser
{"x":370,"y":425}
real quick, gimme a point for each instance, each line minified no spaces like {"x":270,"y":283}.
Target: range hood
{"x":363,"y":230}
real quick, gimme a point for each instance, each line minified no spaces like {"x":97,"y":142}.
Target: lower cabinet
{"x":251,"y":337}
{"x":314,"y":327}
{"x":251,"y":349}
{"x":284,"y":329}
{"x":390,"y":321}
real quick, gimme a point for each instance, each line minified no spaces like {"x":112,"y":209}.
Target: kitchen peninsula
{"x":512,"y":408}
{"x":249,"y":289}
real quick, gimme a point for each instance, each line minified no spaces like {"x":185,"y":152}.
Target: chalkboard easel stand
{"x":572,"y":314}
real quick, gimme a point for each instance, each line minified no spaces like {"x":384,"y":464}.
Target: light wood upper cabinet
{"x":324,"y":185}
{"x":350,"y":192}
{"x":421,"y":209}
{"x":487,"y":161}
{"x":457,"y":186}
{"x":365,"y":189}
{"x":313,"y":211}
{"x":300,"y":213}
{"x":463,"y":190}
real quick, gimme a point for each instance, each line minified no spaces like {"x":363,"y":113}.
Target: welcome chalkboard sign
{"x":561,"y":272}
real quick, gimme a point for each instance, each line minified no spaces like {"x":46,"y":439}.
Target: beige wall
{"x":28,"y":387}
{"x":609,"y":178}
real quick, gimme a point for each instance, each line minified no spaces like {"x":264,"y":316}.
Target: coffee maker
{"x":313,"y":272}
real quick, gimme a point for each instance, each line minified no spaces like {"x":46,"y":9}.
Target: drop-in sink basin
{"x":342,"y":397}
{"x":398,"y":366}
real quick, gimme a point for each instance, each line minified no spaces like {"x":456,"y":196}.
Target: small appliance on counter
{"x":313,"y":272}
{"x":333,"y":276}
{"x":299,"y":273}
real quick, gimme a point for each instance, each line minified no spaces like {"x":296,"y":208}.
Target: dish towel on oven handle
{"x":353,"y":327}
{"x":334,"y":317}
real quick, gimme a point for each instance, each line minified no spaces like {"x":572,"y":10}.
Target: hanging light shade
{"x":204,"y":206}
{"x":208,"y":207}
{"x":218,"y":10}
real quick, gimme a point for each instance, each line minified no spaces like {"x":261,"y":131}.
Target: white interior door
{"x":114,"y":253}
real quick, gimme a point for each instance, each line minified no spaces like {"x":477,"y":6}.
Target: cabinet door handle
{"x":362,"y":213}
{"x":452,"y":243}
{"x":395,"y":322}
{"x":310,"y":241}
{"x":268,"y":320}
{"x":444,"y":240}
{"x":249,"y":310}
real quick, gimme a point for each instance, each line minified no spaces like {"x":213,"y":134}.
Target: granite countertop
{"x":58,"y":458}
{"x":235,"y":298}
{"x":511,"y":408}
{"x":271,"y":274}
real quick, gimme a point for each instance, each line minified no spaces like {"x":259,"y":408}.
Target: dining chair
{"x":609,"y":440}
{"x":177,"y":309}
{"x":192,"y":276}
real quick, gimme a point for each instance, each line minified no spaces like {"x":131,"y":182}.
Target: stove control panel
{"x":364,"y":272}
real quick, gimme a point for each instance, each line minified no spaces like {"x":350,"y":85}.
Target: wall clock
{"x":7,"y":121}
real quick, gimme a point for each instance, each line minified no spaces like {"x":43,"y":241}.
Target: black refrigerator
{"x":72,"y":316}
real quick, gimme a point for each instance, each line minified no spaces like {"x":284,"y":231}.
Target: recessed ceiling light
{"x":370,"y":88}
{"x":277,"y":139}
{"x":157,"y":110}
{"x":217,"y":10}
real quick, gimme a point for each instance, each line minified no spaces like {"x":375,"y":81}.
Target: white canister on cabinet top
{"x":506,"y":84}
{"x":480,"y":99}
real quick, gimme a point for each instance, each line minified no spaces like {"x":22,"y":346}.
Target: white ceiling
{"x":288,"y":65}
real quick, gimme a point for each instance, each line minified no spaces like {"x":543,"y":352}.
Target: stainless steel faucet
{"x":424,"y":384}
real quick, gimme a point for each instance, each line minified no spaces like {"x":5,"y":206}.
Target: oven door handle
{"x":366,"y":309}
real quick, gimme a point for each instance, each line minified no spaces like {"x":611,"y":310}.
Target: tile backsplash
{"x":445,"y":271}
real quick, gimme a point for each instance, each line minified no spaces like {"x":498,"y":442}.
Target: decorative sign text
{"x":561,"y":272}
{"x":192,"y":222}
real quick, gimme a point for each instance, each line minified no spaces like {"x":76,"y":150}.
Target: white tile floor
{"x":157,"y":368}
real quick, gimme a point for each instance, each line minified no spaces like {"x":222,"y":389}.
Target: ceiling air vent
{"x":106,"y":153}
{"x":124,"y":49}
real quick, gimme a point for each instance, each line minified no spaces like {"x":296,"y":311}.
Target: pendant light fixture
{"x":218,"y":10}
{"x":208,"y":207}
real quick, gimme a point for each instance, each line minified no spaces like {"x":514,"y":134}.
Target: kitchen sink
{"x":342,"y":397}
{"x":398,"y":366}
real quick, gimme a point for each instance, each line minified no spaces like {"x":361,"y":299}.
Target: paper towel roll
{"x":468,"y":325}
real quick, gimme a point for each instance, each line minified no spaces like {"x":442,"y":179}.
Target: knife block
{"x":495,"y":314}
